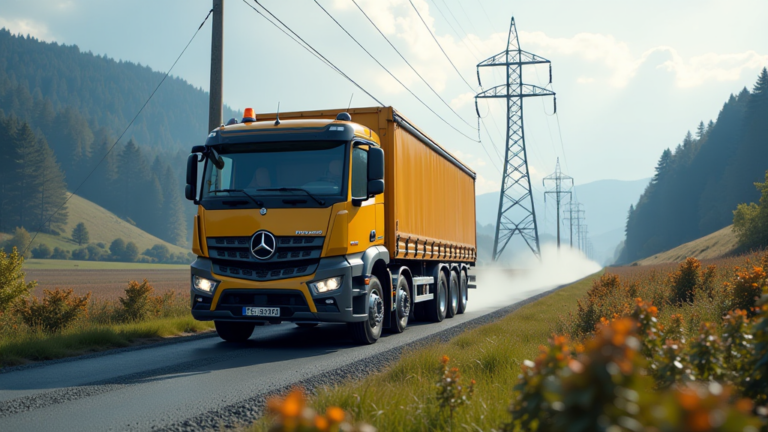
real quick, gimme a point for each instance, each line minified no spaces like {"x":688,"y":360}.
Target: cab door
{"x":362,"y":210}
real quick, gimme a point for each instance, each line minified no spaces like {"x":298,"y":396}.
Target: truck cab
{"x":291,"y":227}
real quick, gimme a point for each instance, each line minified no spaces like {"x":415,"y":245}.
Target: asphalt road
{"x":204,"y":383}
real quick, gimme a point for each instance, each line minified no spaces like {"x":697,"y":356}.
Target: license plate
{"x":261,"y":311}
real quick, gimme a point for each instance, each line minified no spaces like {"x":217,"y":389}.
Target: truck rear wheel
{"x":463,"y":292}
{"x":368,"y":332}
{"x":453,"y":295}
{"x":438,"y":306}
{"x":234,"y":331}
{"x":402,"y":312}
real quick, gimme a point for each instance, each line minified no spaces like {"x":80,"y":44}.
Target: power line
{"x":459,"y":24}
{"x":391,"y":74}
{"x":440,"y":46}
{"x":328,"y":62}
{"x":409,"y":64}
{"x":124,"y":130}
{"x":458,"y":36}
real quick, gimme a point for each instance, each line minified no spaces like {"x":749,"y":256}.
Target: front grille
{"x":293,"y":257}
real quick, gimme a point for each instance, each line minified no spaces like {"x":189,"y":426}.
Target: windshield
{"x":315,"y":166}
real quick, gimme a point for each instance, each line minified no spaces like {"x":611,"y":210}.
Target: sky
{"x":631,"y":77}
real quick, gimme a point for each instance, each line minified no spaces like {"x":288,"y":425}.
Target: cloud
{"x":26,"y":27}
{"x":618,"y":58}
{"x":462,"y":99}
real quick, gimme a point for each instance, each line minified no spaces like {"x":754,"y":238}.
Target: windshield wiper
{"x":255,"y":201}
{"x":284,"y":189}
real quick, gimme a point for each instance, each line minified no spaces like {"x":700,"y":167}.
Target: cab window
{"x":359,"y":173}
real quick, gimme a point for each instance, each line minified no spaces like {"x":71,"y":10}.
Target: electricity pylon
{"x":558,"y":178}
{"x":575,"y":214}
{"x":516,"y":215}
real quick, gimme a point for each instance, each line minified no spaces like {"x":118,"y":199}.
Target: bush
{"x":12,"y":285}
{"x":747,"y":286}
{"x":291,"y":413}
{"x":95,"y":253}
{"x":20,"y":241}
{"x":684,"y":281}
{"x":159,"y":252}
{"x":57,"y":311}
{"x":59,"y":253}
{"x":137,"y":303}
{"x":131,"y":252}
{"x":80,"y":254}
{"x":42,"y":251}
{"x":117,"y":249}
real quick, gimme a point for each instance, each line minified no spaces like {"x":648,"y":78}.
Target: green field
{"x":51,"y":264}
{"x":103,"y":227}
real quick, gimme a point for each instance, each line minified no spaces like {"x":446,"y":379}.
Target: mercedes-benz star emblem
{"x":263,"y":245}
{"x":263,"y":211}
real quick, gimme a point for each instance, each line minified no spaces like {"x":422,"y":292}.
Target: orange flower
{"x":444,"y":360}
{"x":293,"y":403}
{"x":335,"y":414}
{"x":321,"y":423}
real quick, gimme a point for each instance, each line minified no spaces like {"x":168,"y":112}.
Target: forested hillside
{"x":698,"y":185}
{"x":61,"y":110}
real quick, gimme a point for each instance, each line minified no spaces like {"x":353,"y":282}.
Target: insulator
{"x":477,"y":110}
{"x":550,"y":73}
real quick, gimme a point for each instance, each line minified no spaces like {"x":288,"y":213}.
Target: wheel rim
{"x":454,"y":295}
{"x":441,"y":297}
{"x":464,"y":289}
{"x":404,"y":308}
{"x":375,"y":310}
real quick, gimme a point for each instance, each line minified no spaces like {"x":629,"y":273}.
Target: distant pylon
{"x":558,"y":178}
{"x":516,"y":214}
{"x":575,"y":214}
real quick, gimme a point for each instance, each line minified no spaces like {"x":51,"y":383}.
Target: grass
{"x":402,"y":397}
{"x":52,"y":264}
{"x":719,"y":243}
{"x":23,"y":347}
{"x":103,"y":226}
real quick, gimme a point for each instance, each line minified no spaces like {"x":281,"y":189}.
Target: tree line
{"x":61,"y":110}
{"x":698,"y":185}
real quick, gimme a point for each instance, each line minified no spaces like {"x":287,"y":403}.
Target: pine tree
{"x":80,"y":234}
{"x":701,"y":131}
{"x":51,"y":211}
{"x":175,"y":228}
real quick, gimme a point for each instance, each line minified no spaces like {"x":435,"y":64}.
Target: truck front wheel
{"x":438,"y":306}
{"x":234,"y":331}
{"x":368,"y":332}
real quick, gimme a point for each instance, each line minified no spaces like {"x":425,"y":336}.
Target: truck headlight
{"x":326,"y":285}
{"x":203,"y":284}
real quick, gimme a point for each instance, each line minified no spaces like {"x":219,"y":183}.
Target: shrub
{"x":57,"y":311}
{"x":95,"y":253}
{"x":80,"y":254}
{"x":747,"y":286}
{"x":59,"y":253}
{"x":291,"y":414}
{"x":159,"y":252}
{"x":606,"y":298}
{"x":12,"y":285}
{"x":117,"y":249}
{"x":131,"y":252}
{"x":684,"y":281}
{"x":42,"y":251}
{"x":20,"y":241}
{"x":756,"y":381}
{"x":137,"y":303}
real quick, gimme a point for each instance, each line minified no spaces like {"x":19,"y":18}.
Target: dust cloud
{"x":527,"y":276}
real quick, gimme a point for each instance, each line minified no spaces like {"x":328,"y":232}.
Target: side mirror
{"x":375,"y":164}
{"x":375,"y":187}
{"x":190,"y":191}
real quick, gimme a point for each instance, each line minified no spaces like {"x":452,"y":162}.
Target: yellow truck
{"x":338,"y":216}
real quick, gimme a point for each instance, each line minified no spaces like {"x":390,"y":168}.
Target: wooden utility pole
{"x":216,"y":104}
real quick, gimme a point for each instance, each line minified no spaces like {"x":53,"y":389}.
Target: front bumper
{"x":298,"y":303}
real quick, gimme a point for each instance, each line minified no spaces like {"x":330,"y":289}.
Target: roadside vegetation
{"x":652,"y":348}
{"x":62,"y":323}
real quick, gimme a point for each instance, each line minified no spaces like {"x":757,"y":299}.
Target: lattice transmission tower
{"x":517,"y":214}
{"x":561,"y":188}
